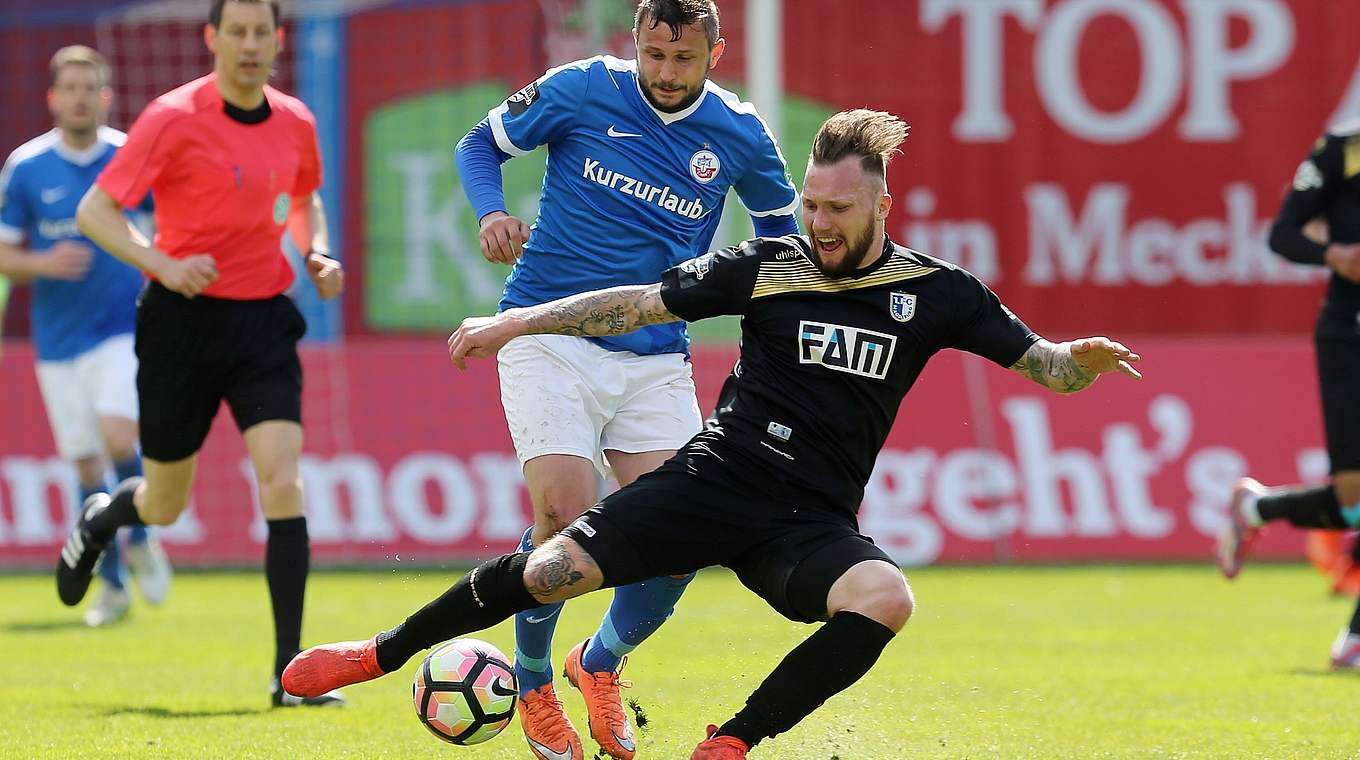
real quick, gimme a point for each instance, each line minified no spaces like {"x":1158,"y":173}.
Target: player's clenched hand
{"x":327,"y":275}
{"x":1344,"y":259}
{"x":1101,"y":355}
{"x":190,"y":275}
{"x":481,"y":337}
{"x":66,"y":260}
{"x":502,"y":237}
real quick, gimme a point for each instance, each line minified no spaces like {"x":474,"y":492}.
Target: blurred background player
{"x":771,"y":488}
{"x":233,"y":163}
{"x":642,"y":154}
{"x":1326,"y":185}
{"x":83,"y":309}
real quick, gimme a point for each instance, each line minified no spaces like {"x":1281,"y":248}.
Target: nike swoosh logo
{"x":500,"y":689}
{"x":53,"y":194}
{"x":535,"y":620}
{"x":549,"y":754}
{"x":626,"y":742}
{"x":612,"y":132}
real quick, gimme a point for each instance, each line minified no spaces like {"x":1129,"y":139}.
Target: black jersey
{"x":1326,"y":184}
{"x":826,"y":361}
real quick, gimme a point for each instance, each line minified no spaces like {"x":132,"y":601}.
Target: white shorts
{"x":101,"y":382}
{"x":567,"y":395}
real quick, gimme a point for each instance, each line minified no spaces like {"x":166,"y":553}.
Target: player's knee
{"x":892,"y":606}
{"x":556,"y":510}
{"x":879,"y":592}
{"x":1347,"y":486}
{"x":160,"y":509}
{"x":281,"y":498}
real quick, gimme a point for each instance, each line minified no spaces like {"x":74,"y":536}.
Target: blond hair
{"x":874,"y":136}
{"x":79,"y":55}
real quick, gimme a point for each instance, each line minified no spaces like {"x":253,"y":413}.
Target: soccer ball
{"x":465,"y":691}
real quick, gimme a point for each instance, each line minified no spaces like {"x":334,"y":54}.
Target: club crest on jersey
{"x":902,"y":306}
{"x":704,"y":165}
{"x":845,"y":349}
{"x":281,"y":206}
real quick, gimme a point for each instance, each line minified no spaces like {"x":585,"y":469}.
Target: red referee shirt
{"x":222,"y":187}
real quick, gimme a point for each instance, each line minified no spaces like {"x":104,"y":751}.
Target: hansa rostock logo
{"x":845,"y":349}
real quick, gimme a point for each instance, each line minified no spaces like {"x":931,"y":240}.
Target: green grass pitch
{"x":1056,"y":662}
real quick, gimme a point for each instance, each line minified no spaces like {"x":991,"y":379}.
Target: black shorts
{"x":691,"y":514}
{"x":193,"y":353}
{"x":1337,"y":340}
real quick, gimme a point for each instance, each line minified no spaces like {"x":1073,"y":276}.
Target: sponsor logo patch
{"x":520,"y":101}
{"x":845,"y":349}
{"x":1307,"y":177}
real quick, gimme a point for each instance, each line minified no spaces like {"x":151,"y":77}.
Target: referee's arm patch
{"x":520,"y":101}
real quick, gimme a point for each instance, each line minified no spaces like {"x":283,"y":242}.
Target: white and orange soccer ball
{"x":465,"y":691}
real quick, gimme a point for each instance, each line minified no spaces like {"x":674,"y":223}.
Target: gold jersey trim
{"x":1352,"y":153}
{"x":800,"y":275}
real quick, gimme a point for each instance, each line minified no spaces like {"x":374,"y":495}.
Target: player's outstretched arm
{"x":612,"y":311}
{"x":1072,"y":366}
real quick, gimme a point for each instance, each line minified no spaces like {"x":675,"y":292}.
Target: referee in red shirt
{"x":232,"y":163}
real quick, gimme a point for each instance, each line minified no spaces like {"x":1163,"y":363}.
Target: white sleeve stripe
{"x":786,"y":211}
{"x":11,"y":235}
{"x":498,"y":130}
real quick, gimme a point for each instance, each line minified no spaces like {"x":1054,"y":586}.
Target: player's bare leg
{"x":638,"y":610}
{"x":145,"y":557}
{"x":561,"y":487}
{"x":275,"y":447}
{"x":156,"y":499}
{"x":866,"y":607}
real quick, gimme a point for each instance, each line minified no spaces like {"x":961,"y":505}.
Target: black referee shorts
{"x":193,"y":353}
{"x":691,"y":514}
{"x":1337,"y":339}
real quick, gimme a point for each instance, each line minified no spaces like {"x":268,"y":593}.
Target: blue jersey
{"x":631,"y":191}
{"x":40,"y":187}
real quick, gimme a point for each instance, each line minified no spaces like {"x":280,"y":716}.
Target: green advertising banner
{"x":424,"y":270}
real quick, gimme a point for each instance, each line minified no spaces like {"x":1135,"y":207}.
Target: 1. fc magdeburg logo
{"x":704,"y":165}
{"x":902,"y":306}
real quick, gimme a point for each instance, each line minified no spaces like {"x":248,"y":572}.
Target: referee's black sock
{"x":120,"y":512}
{"x":1303,"y":507}
{"x":827,"y":663}
{"x":492,"y":592}
{"x":287,"y":558}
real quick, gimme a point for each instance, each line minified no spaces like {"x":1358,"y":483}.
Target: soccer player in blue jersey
{"x":641,"y":156}
{"x":84,"y":304}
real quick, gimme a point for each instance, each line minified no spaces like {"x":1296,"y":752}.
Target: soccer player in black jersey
{"x":837,"y":326}
{"x":1326,"y":185}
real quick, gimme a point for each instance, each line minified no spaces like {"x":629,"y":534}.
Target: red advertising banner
{"x":408,"y":460}
{"x":1105,"y":165}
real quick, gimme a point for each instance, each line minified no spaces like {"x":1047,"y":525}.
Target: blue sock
{"x":533,"y":638}
{"x":636,"y":612}
{"x":130,"y":468}
{"x":111,"y":566}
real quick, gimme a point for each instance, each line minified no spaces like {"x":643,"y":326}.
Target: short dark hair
{"x":215,"y":10}
{"x":874,"y":136}
{"x":678,"y":14}
{"x":79,"y":55}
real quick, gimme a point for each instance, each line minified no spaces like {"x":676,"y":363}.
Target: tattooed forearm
{"x":601,"y":312}
{"x":1052,"y":366}
{"x":552,"y":571}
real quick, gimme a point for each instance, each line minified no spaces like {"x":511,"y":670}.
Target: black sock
{"x":120,"y":512}
{"x":492,"y":592}
{"x":1303,"y":507}
{"x":287,"y":557}
{"x":1355,"y":621}
{"x":828,"y":662}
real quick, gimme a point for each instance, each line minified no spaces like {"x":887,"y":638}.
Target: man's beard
{"x":855,"y":252}
{"x":678,"y":107}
